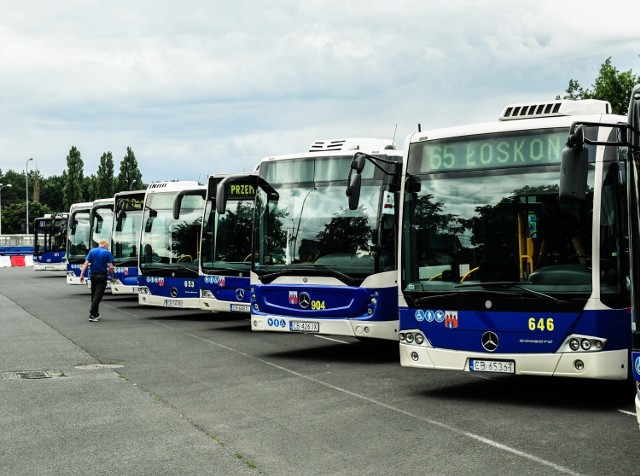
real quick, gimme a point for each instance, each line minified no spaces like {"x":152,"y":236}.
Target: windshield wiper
{"x":460,"y":293}
{"x":320,"y":270}
{"x":504,"y":284}
{"x":227,"y":268}
{"x":151,"y":270}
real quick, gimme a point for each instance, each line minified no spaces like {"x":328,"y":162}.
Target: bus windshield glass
{"x":226,"y":241}
{"x":487,"y":213}
{"x":126,"y":232}
{"x":166,"y":241}
{"x":50,"y":234}
{"x":102,"y":223}
{"x":79,"y":235}
{"x":309,"y":226}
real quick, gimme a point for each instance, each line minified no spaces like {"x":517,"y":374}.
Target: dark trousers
{"x":98,"y":285}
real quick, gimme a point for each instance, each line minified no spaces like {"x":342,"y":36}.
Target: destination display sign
{"x":130,"y":204}
{"x":241,"y":191}
{"x":540,"y":147}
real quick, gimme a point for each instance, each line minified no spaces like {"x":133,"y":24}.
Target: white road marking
{"x":481,"y":439}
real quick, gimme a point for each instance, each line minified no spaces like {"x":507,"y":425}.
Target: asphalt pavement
{"x":63,"y":412}
{"x":152,"y":390}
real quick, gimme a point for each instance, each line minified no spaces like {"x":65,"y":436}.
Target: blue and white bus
{"x":225,"y":248}
{"x":125,"y":240}
{"x":169,"y":245}
{"x":317,"y":266}
{"x":78,"y":239}
{"x":50,"y":242}
{"x":499,"y":275}
{"x":575,"y":186}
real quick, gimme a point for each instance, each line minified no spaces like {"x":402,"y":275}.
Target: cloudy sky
{"x":197,"y":87}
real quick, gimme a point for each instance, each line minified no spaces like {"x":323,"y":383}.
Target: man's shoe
{"x":94,"y":318}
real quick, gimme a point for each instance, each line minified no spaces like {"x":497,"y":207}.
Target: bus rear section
{"x":498,"y":274}
{"x":169,"y":245}
{"x":225,"y":248}
{"x":50,"y":242}
{"x":316,"y":265}
{"x":78,"y":239}
{"x":125,"y":241}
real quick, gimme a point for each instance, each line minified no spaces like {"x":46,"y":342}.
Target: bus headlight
{"x":582,"y":343}
{"x":419,"y":338}
{"x":408,"y":338}
{"x":206,"y":293}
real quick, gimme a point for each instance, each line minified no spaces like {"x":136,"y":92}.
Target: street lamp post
{"x":1,"y":187}
{"x":26,"y":178}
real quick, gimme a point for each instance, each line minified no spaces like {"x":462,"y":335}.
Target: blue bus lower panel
{"x":50,"y":257}
{"x":177,"y":288}
{"x":227,"y":288}
{"x":516,"y":332}
{"x":327,"y":302}
{"x":635,"y":361}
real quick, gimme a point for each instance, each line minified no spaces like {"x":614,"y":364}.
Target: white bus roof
{"x":329,"y":147}
{"x":560,"y":107}
{"x":103,"y":201}
{"x":81,"y":206}
{"x":566,"y":115}
{"x":173,"y":186}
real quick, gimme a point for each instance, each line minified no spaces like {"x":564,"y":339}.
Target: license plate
{"x":172,"y":303}
{"x":500,"y":366}
{"x":239,"y":308}
{"x":304,"y":326}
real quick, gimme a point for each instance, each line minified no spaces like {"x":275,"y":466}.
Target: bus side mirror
{"x":221,"y":197}
{"x":357,"y":163}
{"x":633,"y":134}
{"x":353,"y":191}
{"x":120,"y":216}
{"x":574,"y":168}
{"x":149,"y":223}
{"x":413,"y":184}
{"x":177,"y":203}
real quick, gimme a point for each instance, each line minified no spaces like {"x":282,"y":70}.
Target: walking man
{"x":101,"y":261}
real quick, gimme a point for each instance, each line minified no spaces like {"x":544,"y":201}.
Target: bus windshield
{"x":309,"y":227}
{"x":487,"y":213}
{"x":226,"y":241}
{"x":166,"y":241}
{"x":126,"y":232}
{"x":79,"y":235}
{"x":102,"y":223}
{"x":50,"y":234}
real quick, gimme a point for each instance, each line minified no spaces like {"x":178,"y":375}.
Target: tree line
{"x":56,"y":193}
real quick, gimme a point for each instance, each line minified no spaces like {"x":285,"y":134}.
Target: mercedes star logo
{"x":304,"y":300}
{"x":239,"y":294}
{"x":489,"y":341}
{"x":174,"y":292}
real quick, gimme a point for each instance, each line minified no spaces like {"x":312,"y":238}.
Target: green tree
{"x":105,"y":186}
{"x":73,"y":178}
{"x":50,"y":193}
{"x":611,"y":85}
{"x":129,"y":177}
{"x":14,"y":215}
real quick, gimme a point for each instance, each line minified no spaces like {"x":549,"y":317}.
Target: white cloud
{"x":198,"y":87}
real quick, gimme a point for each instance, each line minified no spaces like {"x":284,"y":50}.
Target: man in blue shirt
{"x":101,"y":261}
